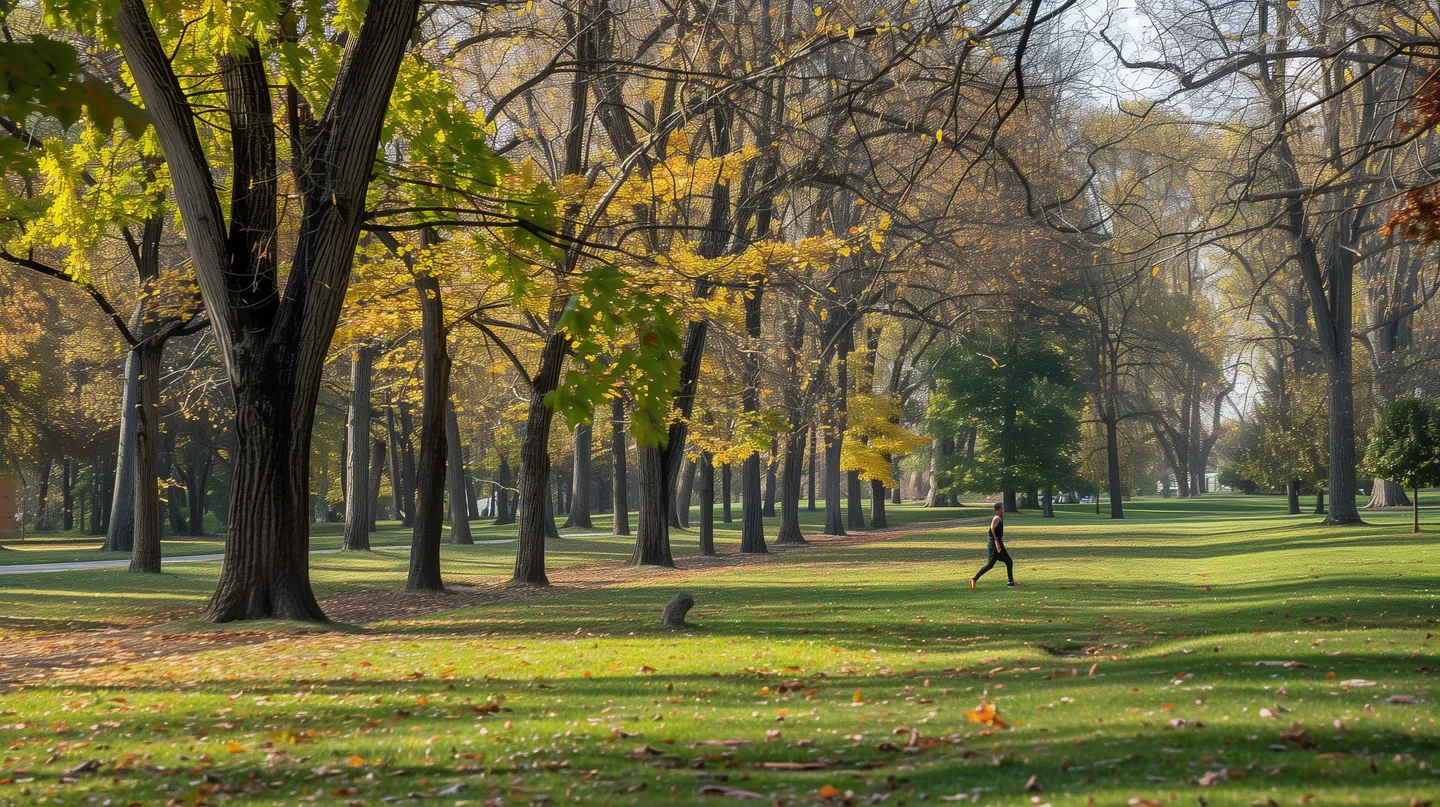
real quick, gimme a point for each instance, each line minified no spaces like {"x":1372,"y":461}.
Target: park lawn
{"x":96,"y":598}
{"x":1124,"y":639}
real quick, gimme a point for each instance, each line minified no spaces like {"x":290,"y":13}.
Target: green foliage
{"x":41,"y":77}
{"x":993,"y":373}
{"x":1405,"y":444}
{"x":1290,"y":441}
{"x":625,"y":339}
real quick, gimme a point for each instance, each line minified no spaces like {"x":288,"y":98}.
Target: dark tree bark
{"x":1320,"y":503}
{"x":455,"y":479}
{"x":771,"y":468}
{"x":407,"y":462}
{"x":1047,"y":507}
{"x":810,"y":469}
{"x":357,"y":448}
{"x":707,"y":503}
{"x":1292,"y":497}
{"x":1387,"y":494}
{"x":652,"y":539}
{"x":580,"y":481}
{"x":67,"y":496}
{"x":619,"y":498}
{"x":854,"y":502}
{"x":895,"y":472}
{"x":377,"y":466}
{"x":877,"y":504}
{"x":834,"y":439}
{"x":171,"y":492}
{"x":684,"y":495}
{"x":1112,"y":456}
{"x":274,"y":339}
{"x":42,"y":514}
{"x":393,"y":467}
{"x":145,"y":558}
{"x":675,"y":611}
{"x":197,"y":486}
{"x":427,"y":527}
{"x":797,"y":415}
{"x":535,"y":469}
{"x":503,"y":513}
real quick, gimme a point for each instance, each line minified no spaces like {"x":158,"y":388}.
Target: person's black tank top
{"x":998,"y":530}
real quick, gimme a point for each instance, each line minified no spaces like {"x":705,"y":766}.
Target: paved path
{"x":74,"y":565}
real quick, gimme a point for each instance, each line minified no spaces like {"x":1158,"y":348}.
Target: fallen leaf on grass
{"x":829,"y":791}
{"x":1357,"y":682}
{"x":986,"y":715}
{"x":732,"y":792}
{"x":1139,"y":802}
{"x":1400,"y":699}
{"x":1032,"y":785}
{"x":816,"y":765}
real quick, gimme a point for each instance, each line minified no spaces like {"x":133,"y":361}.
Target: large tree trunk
{"x":877,"y":504}
{"x":145,"y":557}
{"x":791,"y":477}
{"x":618,"y":480}
{"x":652,"y":532}
{"x":273,"y":336}
{"x":1320,"y":503}
{"x":535,"y":469}
{"x":427,"y":522}
{"x":1387,"y":494}
{"x":707,"y":503}
{"x":1292,"y":497}
{"x":267,"y":545}
{"x":357,"y":450}
{"x":455,"y":479}
{"x":854,"y":501}
{"x":580,"y":479}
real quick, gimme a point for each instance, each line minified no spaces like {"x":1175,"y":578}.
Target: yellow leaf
{"x":858,"y":697}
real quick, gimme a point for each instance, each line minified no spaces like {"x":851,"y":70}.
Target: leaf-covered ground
{"x":1200,"y":653}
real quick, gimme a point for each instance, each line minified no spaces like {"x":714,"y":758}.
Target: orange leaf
{"x":829,"y":792}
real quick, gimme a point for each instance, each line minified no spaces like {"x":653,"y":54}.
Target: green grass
{"x":597,"y":705}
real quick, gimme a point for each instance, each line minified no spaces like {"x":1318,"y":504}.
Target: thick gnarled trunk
{"x":146,"y":554}
{"x":426,"y":527}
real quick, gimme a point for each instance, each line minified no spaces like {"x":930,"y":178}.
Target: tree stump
{"x":674,"y":616}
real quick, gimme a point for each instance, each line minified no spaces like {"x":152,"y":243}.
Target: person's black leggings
{"x":1003,"y":556}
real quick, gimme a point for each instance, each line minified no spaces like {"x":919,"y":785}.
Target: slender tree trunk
{"x":752,"y":524}
{"x":895,"y":472}
{"x":394,"y":469}
{"x":377,"y":465}
{"x":67,"y":498}
{"x":1292,"y":495}
{"x":455,"y":479}
{"x":146,"y":556}
{"x":407,"y":462}
{"x":1415,"y":512}
{"x":770,"y":468}
{"x":171,"y":492}
{"x":707,"y":503}
{"x":1048,"y":506}
{"x":618,"y":480}
{"x":1112,"y":457}
{"x":197,"y":488}
{"x":535,"y":469}
{"x":427,"y":528}
{"x":834,"y":439}
{"x":725,"y":495}
{"x":684,"y":495}
{"x":791,"y":477}
{"x":42,"y":510}
{"x":357,"y":449}
{"x":503,"y":513}
{"x":580,"y":479}
{"x":810,"y":471}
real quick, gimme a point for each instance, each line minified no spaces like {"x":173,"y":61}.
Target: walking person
{"x":995,"y":549}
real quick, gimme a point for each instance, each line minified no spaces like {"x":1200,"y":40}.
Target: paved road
{"x":73,"y":565}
